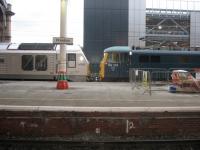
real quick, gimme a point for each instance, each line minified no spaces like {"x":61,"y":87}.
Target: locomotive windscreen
{"x":36,"y":46}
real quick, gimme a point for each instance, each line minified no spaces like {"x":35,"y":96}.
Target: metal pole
{"x":63,"y":25}
{"x":62,"y":68}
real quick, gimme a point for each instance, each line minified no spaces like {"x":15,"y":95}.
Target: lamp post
{"x":62,"y":68}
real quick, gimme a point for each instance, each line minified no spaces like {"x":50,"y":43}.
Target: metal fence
{"x":151,"y":79}
{"x":140,"y":81}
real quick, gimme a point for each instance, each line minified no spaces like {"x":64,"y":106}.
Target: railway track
{"x":63,"y":145}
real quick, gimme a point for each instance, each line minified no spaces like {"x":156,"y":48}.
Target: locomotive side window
{"x":41,"y":62}
{"x":183,"y":59}
{"x":27,"y":62}
{"x":144,"y":59}
{"x":155,"y":59}
{"x":72,"y":60}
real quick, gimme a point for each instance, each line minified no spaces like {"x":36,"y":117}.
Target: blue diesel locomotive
{"x":118,"y":60}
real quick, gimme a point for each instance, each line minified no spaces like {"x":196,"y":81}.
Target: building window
{"x":27,"y":62}
{"x":155,"y":59}
{"x":144,"y":59}
{"x":72,"y":60}
{"x":41,"y":62}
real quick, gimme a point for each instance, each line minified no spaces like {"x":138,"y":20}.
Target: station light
{"x":159,"y":27}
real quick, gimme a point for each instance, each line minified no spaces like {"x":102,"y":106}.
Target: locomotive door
{"x":124,"y":65}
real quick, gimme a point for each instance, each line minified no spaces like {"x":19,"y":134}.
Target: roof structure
{"x":167,"y":27}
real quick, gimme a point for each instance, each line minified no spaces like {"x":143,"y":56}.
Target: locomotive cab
{"x":39,"y":61}
{"x":115,"y":63}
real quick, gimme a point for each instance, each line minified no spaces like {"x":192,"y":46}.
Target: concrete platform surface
{"x":90,"y":94}
{"x":95,"y":112}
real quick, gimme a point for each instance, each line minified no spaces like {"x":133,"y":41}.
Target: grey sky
{"x":39,"y":20}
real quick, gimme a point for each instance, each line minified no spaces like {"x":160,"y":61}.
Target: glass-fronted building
{"x":105,"y":24}
{"x":156,"y":24}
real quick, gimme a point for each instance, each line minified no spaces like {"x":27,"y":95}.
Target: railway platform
{"x":95,"y":112}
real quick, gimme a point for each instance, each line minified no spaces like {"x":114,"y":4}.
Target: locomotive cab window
{"x":113,"y":57}
{"x":72,"y":60}
{"x":41,"y":62}
{"x":125,"y":58}
{"x":27,"y":62}
{"x":109,"y":57}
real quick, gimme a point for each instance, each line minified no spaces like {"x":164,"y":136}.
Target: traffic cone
{"x":62,"y":83}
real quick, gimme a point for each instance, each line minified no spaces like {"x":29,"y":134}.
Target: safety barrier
{"x":140,"y":81}
{"x":147,"y":80}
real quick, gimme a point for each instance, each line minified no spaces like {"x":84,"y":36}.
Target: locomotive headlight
{"x":81,"y":58}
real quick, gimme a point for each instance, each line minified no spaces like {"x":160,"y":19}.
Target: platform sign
{"x":63,"y":40}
